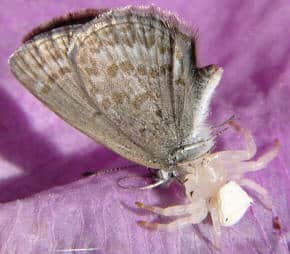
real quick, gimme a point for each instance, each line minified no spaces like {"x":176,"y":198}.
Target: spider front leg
{"x":171,"y":210}
{"x":176,"y":224}
{"x":261,"y":162}
{"x":250,"y":166}
{"x":198,"y":211}
{"x":240,"y":155}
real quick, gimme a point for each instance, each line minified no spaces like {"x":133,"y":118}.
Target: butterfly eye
{"x":172,"y":158}
{"x":177,"y":155}
{"x":173,"y":174}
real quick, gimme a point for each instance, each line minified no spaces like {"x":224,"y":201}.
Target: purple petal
{"x":38,"y":151}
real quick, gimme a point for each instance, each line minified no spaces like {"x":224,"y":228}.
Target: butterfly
{"x":129,"y":79}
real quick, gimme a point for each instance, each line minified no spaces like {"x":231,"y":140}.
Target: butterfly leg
{"x":179,"y":223}
{"x":266,"y":200}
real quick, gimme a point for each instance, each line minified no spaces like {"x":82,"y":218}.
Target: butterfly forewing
{"x":43,"y":66}
{"x":125,"y":79}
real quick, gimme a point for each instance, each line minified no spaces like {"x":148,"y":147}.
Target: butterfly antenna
{"x":219,"y":132}
{"x":106,"y":171}
{"x":120,"y":184}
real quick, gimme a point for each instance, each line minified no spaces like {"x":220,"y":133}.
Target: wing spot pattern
{"x":112,"y":70}
{"x":126,"y":66}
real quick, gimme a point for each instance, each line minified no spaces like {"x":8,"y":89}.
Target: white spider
{"x":212,"y":185}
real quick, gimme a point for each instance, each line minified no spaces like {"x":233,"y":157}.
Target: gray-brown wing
{"x":43,"y":66}
{"x":127,"y":82}
{"x":137,"y":68}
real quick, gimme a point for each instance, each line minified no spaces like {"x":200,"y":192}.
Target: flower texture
{"x":46,"y":204}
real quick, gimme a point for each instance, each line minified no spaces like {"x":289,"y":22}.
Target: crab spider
{"x":213,"y":185}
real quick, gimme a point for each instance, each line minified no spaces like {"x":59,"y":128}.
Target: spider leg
{"x":266,"y":200}
{"x":251,"y":147}
{"x":198,"y":210}
{"x":179,"y":223}
{"x":173,"y":210}
{"x":239,"y":155}
{"x":260,"y":163}
{"x":216,"y":225}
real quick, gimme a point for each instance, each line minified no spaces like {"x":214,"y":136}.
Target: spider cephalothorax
{"x":213,"y":184}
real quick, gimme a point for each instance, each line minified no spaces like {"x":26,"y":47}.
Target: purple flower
{"x":47,"y":206}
